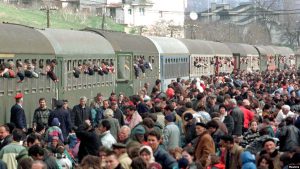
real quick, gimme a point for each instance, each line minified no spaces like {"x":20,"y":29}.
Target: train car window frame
{"x":124,"y":64}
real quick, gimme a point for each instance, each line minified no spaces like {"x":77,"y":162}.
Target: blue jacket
{"x":248,"y":160}
{"x":17,"y":116}
{"x":165,"y":159}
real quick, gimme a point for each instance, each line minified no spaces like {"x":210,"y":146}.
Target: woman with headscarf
{"x":146,"y":154}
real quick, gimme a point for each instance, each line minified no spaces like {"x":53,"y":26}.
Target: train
{"x":66,"y":64}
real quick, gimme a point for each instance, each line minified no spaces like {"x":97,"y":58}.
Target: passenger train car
{"x":67,"y":64}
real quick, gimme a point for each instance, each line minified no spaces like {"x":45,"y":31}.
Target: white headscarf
{"x":151,"y":153}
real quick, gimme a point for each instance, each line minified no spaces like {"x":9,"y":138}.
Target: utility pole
{"x":103,"y":16}
{"x":48,"y":9}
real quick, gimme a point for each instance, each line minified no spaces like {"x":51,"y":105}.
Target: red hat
{"x":19,"y":96}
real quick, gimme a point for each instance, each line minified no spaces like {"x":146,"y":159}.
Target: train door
{"x":125,"y":70}
{"x":236,"y":62}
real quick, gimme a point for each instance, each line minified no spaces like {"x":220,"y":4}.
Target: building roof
{"x":15,"y":39}
{"x":74,"y":42}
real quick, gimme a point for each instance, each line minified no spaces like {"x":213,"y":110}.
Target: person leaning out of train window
{"x":6,"y":70}
{"x":50,"y":70}
{"x":18,"y":114}
{"x":77,"y":71}
{"x":20,"y":71}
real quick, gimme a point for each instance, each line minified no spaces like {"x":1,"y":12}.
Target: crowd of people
{"x":229,"y":121}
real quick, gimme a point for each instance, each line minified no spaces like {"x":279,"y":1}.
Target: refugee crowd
{"x":230,"y":121}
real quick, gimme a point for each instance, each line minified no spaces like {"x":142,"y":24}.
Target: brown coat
{"x":204,"y":147}
{"x":235,"y":160}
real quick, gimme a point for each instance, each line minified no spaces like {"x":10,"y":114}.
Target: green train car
{"x":24,"y":48}
{"x":133,"y":54}
{"x":85,"y":51}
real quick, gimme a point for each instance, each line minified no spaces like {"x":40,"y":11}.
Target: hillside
{"x":58,"y":19}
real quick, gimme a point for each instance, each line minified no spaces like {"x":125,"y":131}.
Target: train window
{"x":124,"y":67}
{"x":169,"y":60}
{"x":69,"y":65}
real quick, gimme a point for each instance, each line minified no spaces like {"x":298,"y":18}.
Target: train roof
{"x":242,"y":49}
{"x":285,"y":51}
{"x":198,"y":46}
{"x":123,"y":42}
{"x":167,"y":45}
{"x":220,"y":49}
{"x":20,"y":39}
{"x":250,"y":50}
{"x":67,"y":42}
{"x":265,"y":50}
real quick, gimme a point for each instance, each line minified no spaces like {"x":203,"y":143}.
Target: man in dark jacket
{"x":5,"y":137}
{"x":289,"y":136}
{"x":238,"y":118}
{"x":63,"y":117}
{"x":161,"y":156}
{"x":17,"y":115}
{"x":80,"y":112}
{"x":41,"y":114}
{"x":89,"y":143}
{"x":118,"y":114}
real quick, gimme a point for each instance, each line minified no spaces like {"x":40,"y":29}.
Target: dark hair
{"x":39,"y":127}
{"x":131,"y":108}
{"x":106,"y":124}
{"x":42,"y":99}
{"x":90,"y":161}
{"x":11,"y":126}
{"x":6,"y":128}
{"x":138,"y":163}
{"x":188,"y":105}
{"x":18,"y":134}
{"x":267,"y":158}
{"x":289,"y":120}
{"x":152,"y":116}
{"x":227,"y":138}
{"x":25,"y":163}
{"x":155,"y":134}
{"x":148,"y":122}
{"x":32,"y":137}
{"x":266,"y":106}
{"x":36,"y":150}
{"x":169,"y":107}
{"x":212,"y":124}
{"x":157,"y":82}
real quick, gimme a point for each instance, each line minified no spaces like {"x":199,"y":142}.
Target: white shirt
{"x":108,"y":140}
{"x":280,"y":116}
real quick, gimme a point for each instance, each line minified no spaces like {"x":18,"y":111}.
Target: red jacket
{"x":248,"y":116}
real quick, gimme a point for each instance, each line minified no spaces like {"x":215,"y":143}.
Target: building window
{"x":142,"y":11}
{"x":129,"y":11}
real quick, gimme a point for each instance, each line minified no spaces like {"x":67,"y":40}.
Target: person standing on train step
{"x":80,"y":112}
{"x":17,"y":115}
{"x":41,"y":114}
